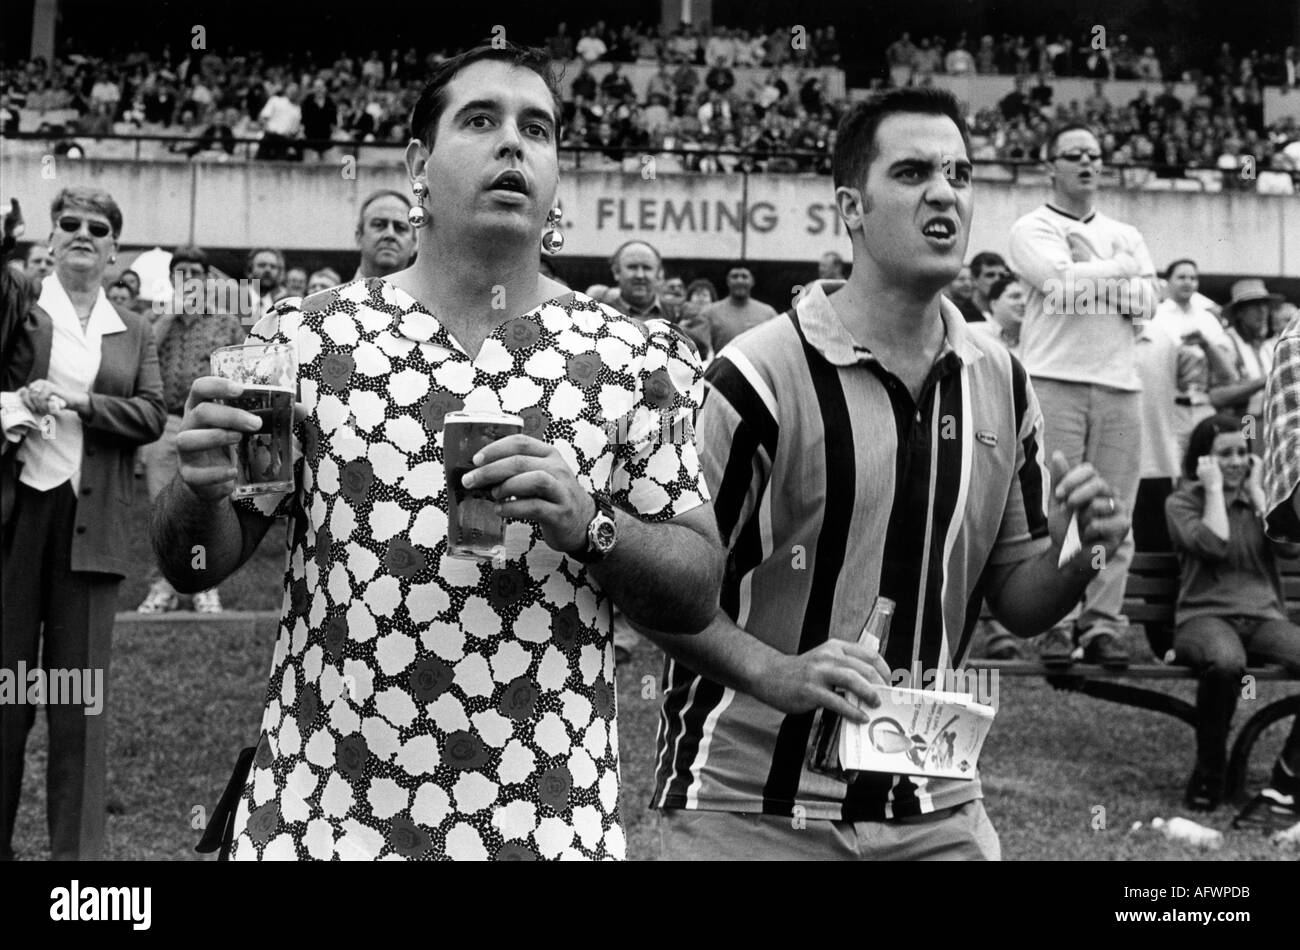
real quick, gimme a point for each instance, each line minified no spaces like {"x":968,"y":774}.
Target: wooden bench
{"x":1149,"y":599}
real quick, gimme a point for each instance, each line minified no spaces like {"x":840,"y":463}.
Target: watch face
{"x":605,"y":535}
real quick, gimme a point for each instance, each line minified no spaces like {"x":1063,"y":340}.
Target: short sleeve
{"x":280,"y":325}
{"x":1282,"y":439}
{"x":1023,"y":532}
{"x":657,"y":474}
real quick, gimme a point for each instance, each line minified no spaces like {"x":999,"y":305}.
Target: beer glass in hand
{"x":474,"y":529}
{"x":269,"y":374}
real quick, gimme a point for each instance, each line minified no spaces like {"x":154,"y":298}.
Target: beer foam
{"x":482,"y":416}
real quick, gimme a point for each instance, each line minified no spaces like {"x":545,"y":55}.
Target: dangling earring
{"x":112,"y":258}
{"x":417,"y":216}
{"x":553,"y":237}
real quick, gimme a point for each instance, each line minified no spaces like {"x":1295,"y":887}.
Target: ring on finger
{"x":1113,"y":506}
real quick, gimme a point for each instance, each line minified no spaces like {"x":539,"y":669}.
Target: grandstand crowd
{"x":723,"y":100}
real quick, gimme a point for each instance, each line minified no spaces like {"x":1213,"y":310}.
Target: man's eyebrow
{"x":927,"y":164}
{"x":493,"y":106}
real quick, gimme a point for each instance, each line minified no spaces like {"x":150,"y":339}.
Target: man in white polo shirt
{"x":1090,"y":278}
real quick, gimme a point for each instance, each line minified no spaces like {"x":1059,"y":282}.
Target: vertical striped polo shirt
{"x":830,"y":487}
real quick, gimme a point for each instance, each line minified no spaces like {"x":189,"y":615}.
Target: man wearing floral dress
{"x":421,"y":706}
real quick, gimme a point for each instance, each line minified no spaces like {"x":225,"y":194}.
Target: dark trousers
{"x":1219,"y":648}
{"x":1150,"y":529}
{"x":76,"y":609}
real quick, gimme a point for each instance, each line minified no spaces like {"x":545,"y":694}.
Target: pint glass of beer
{"x":474,"y":529}
{"x":269,"y":374}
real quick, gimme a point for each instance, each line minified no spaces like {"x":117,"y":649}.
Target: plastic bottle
{"x":1189,"y":832}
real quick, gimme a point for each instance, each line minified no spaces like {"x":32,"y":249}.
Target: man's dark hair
{"x":189,"y":254}
{"x":983,"y":260}
{"x":1000,"y":286}
{"x":1201,"y":440}
{"x":433,"y":99}
{"x":1072,"y":127}
{"x":855,"y":142}
{"x":1169,"y":271}
{"x":740,"y":265}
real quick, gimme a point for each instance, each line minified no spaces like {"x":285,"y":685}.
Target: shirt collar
{"x":1073,"y":217}
{"x":104,"y":318}
{"x":826,"y":333}
{"x":654,"y":308}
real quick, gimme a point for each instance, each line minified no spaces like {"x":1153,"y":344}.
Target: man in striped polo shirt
{"x":863,"y":444}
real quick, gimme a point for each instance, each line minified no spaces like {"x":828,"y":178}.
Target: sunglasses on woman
{"x":72,"y":225}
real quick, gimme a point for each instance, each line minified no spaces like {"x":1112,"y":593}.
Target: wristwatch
{"x":602,"y":532}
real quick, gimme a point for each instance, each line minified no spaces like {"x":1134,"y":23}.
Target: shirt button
{"x":81,"y":529}
{"x":86,"y":490}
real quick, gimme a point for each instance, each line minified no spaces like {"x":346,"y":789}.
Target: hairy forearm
{"x":1036,"y":593}
{"x":1234,"y":393}
{"x":722,"y":652}
{"x":663,"y":577}
{"x":198,"y":544}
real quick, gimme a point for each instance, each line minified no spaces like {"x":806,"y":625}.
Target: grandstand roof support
{"x":45,"y":18}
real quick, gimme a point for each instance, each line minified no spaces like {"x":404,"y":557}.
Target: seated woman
{"x":1230,"y":607}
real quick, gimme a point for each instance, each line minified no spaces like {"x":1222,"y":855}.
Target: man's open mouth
{"x":510,"y":180}
{"x":941,"y":229}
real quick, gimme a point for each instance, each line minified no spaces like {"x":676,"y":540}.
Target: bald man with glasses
{"x":1091,"y":277}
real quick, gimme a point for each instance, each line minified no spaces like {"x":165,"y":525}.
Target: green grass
{"x":185,"y":697}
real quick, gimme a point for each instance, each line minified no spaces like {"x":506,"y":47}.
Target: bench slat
{"x":1092,"y":671}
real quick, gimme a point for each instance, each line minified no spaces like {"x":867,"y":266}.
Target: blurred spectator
{"x":1157,"y":355}
{"x":132,"y":280}
{"x":265,"y":267}
{"x":1203,"y":351}
{"x":384,"y":234}
{"x":187,"y":333}
{"x":959,"y":61}
{"x":701,"y":291}
{"x":637,"y":269}
{"x":591,"y":47}
{"x":1015,"y":104}
{"x":319,"y":117}
{"x":1231,"y":610}
{"x":901,"y":56}
{"x":615,"y":85}
{"x":960,"y":291}
{"x":738,"y":311}
{"x":323,"y":279}
{"x":560,"y":44}
{"x":1247,"y":315}
{"x":986,"y":268}
{"x":295,"y":282}
{"x":1007,"y":297}
{"x":281,"y":120}
{"x":1148,"y":65}
{"x":39,"y":261}
{"x":831,"y":267}
{"x":584,"y":84}
{"x":119,"y":294}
